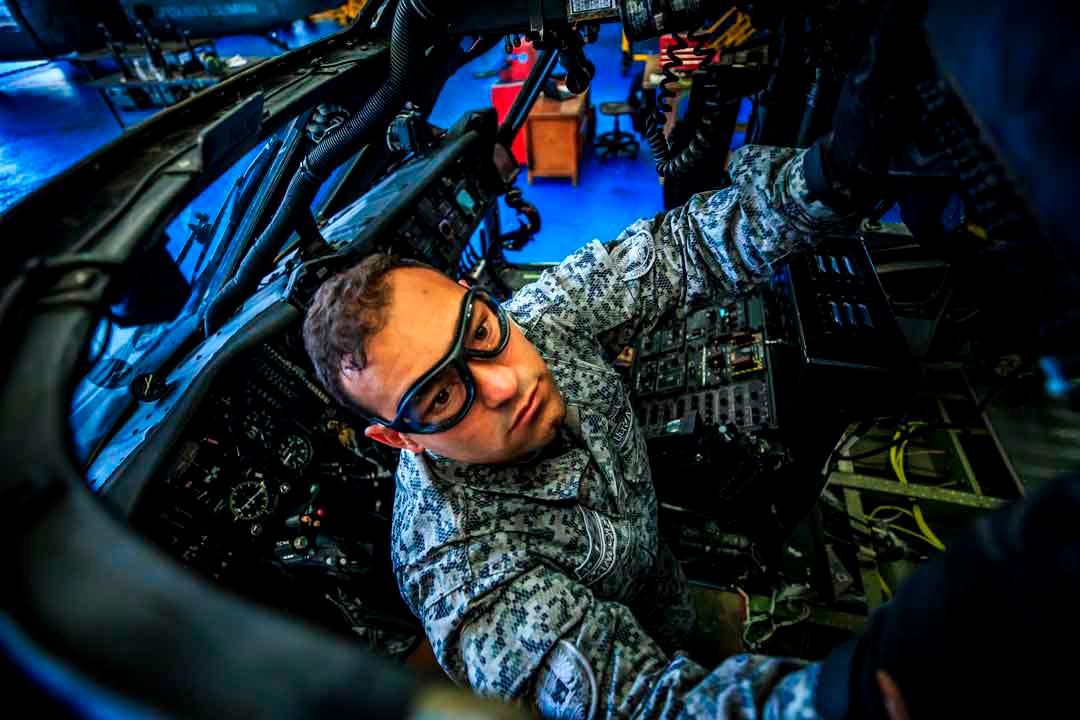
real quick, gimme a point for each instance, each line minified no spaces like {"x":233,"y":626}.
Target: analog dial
{"x":295,"y":452}
{"x":249,"y":500}
{"x":257,"y":426}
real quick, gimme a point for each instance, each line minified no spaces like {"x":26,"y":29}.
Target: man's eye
{"x":444,"y":401}
{"x":482,"y":332}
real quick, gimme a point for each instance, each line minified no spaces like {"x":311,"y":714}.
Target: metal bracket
{"x":856,"y":481}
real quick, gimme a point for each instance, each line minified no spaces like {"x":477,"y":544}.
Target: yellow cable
{"x":885,"y":587}
{"x":919,"y":519}
{"x":745,"y":35}
{"x":895,"y":508}
{"x":921,"y":522}
{"x":735,"y":34}
{"x":912,"y":533}
{"x":723,"y":18}
{"x":896,"y":458}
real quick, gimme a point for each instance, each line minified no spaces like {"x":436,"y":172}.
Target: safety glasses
{"x":443,"y":396}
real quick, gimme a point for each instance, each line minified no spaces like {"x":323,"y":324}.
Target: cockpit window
{"x":124,"y":348}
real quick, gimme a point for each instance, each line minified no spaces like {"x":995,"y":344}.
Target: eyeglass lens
{"x":444,"y":396}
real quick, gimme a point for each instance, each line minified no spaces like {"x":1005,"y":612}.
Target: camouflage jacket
{"x":545,"y":581}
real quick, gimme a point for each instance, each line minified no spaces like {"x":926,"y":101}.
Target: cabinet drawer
{"x":552,"y":145}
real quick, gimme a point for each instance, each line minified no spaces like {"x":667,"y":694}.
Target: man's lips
{"x":529,"y":408}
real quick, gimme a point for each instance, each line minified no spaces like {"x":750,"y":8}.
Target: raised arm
{"x":543,"y":638}
{"x":717,"y":245}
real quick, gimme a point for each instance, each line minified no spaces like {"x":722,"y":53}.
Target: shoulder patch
{"x":635,"y":255}
{"x":567,"y":686}
{"x":622,"y":426}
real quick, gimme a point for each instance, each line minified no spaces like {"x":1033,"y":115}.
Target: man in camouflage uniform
{"x":524,"y":525}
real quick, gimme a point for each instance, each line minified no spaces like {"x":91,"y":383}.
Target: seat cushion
{"x":616,"y":108}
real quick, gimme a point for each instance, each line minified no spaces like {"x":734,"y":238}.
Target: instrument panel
{"x":427,"y":209}
{"x":271,"y":488}
{"x":275,"y":493}
{"x":713,"y":365}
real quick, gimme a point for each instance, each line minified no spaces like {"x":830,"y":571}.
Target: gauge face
{"x":256,"y":426}
{"x":249,"y":500}
{"x":295,"y":452}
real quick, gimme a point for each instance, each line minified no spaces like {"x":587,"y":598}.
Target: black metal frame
{"x":526,"y":98}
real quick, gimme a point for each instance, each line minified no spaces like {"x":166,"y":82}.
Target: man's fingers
{"x":894,"y":701}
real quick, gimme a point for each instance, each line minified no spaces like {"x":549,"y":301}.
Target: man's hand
{"x":895,"y":706}
{"x":877,"y":114}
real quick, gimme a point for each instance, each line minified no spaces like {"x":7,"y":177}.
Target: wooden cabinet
{"x":556,"y":133}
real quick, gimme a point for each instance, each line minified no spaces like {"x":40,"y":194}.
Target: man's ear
{"x":393,"y":438}
{"x":464,"y":283}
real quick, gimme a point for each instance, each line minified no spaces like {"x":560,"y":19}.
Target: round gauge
{"x":295,"y":452}
{"x":249,"y":500}
{"x":257,"y":425}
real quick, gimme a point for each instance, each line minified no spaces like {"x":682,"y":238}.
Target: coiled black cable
{"x":515,"y":200}
{"x":701,"y":144}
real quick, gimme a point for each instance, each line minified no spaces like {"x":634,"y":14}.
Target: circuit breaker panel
{"x":713,"y":366}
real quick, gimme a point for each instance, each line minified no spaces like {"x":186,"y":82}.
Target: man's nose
{"x":496,"y":383}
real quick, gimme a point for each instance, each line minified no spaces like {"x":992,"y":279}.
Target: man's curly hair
{"x":349,"y":308}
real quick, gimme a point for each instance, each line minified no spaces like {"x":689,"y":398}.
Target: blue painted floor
{"x":49,"y":119}
{"x":610,"y":193}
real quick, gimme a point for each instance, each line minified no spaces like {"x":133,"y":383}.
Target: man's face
{"x":517,"y":409}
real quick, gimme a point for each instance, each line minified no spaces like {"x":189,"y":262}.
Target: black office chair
{"x":618,"y":142}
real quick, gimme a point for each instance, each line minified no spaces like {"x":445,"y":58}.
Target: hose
{"x":412,"y":22}
{"x":666,"y":165}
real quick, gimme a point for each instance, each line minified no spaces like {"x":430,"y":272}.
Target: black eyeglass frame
{"x":457,"y":356}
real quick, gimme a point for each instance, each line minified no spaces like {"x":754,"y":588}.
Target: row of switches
{"x":850,"y":315}
{"x":833,"y":265}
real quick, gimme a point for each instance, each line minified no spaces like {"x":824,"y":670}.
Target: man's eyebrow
{"x":442,"y":351}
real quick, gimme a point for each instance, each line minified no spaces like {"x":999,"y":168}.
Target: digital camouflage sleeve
{"x":545,"y":581}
